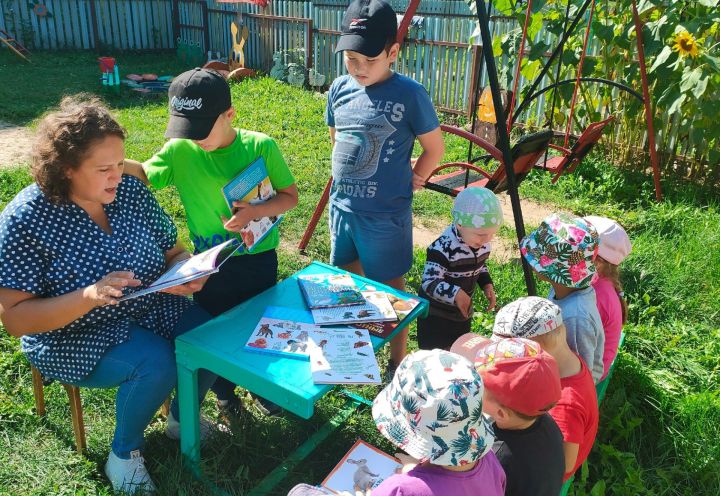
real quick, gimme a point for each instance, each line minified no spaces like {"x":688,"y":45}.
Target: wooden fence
{"x":436,"y":52}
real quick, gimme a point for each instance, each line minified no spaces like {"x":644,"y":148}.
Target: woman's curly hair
{"x":63,"y":139}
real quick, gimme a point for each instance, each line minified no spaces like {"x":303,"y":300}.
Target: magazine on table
{"x":330,"y":290}
{"x":362,"y":468}
{"x":252,"y":186}
{"x":285,"y":338}
{"x":200,"y":265}
{"x":402,"y":308}
{"x":377,"y":308}
{"x":345,"y":356}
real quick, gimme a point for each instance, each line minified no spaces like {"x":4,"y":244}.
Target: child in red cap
{"x":576,"y":412}
{"x":522,"y":383}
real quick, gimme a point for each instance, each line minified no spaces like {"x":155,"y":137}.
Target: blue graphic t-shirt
{"x":375,"y":129}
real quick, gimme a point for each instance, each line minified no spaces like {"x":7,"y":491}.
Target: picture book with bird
{"x":329,"y":290}
{"x":377,"y":308}
{"x":346,"y":356}
{"x":362,"y":469}
{"x":200,"y":265}
{"x":252,"y":186}
{"x":402,"y":308}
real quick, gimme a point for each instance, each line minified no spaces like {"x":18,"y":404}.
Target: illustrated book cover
{"x":252,"y":186}
{"x":329,"y":290}
{"x":362,"y":468}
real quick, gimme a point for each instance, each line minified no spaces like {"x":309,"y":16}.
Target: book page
{"x":345,"y":356}
{"x":364,"y":467}
{"x":377,"y":308}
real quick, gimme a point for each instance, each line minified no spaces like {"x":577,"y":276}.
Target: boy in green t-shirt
{"x":206,"y":152}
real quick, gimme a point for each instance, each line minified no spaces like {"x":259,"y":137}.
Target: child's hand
{"x":418,"y":182}
{"x":243,"y":213}
{"x":407,"y":461}
{"x":489,"y":291}
{"x":463,"y":302}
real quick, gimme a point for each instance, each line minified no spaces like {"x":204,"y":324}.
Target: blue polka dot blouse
{"x":49,"y":250}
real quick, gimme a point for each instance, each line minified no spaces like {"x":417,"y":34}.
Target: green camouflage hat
{"x":477,"y":207}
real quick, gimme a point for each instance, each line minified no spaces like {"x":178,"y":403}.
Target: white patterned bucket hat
{"x":432,"y":409}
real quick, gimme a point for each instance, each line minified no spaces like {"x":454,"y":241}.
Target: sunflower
{"x":686,"y":44}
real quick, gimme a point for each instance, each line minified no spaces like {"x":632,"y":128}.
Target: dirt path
{"x":15,"y":144}
{"x":503,"y":248}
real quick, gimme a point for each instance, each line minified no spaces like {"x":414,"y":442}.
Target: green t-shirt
{"x":199,"y":177}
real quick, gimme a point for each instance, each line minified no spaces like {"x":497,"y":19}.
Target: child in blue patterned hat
{"x":562,"y":252}
{"x":455,"y":265}
{"x":432,"y":410}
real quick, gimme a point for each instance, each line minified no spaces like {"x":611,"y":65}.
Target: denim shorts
{"x":382,"y":242}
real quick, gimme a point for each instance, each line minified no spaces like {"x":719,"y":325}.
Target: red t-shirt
{"x":576,"y":413}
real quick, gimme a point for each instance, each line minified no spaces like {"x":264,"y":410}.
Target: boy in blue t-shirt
{"x":374,"y":116}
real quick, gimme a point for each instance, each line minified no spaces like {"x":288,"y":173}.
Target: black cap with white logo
{"x":197,"y":98}
{"x":367,"y":27}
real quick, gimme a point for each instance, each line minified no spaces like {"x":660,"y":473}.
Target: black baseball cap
{"x":367,"y":27}
{"x":197,"y":97}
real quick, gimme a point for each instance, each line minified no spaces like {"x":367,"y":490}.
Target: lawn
{"x":660,"y":421}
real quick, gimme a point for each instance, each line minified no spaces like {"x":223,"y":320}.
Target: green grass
{"x":660,"y":420}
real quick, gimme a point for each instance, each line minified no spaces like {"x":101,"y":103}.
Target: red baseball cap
{"x":515,"y":370}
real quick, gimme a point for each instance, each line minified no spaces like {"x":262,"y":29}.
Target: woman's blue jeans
{"x":144,"y":369}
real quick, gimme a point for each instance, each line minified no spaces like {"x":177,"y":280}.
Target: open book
{"x":362,"y":468}
{"x":201,"y":265}
{"x":345,"y":356}
{"x":377,"y":308}
{"x":252,"y":186}
{"x":402,"y":308}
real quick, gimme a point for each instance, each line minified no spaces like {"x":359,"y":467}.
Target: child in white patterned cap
{"x":455,"y":265}
{"x":432,"y":410}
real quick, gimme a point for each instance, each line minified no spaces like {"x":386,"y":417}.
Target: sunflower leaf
{"x":661,"y":58}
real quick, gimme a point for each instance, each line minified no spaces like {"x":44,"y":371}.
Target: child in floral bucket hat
{"x":432,"y":410}
{"x":456,"y":264}
{"x":562,"y":251}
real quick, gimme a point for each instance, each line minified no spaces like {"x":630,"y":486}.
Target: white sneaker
{"x":129,"y":476}
{"x":207,"y":426}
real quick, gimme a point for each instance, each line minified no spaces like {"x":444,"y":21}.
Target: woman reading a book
{"x":71,"y":245}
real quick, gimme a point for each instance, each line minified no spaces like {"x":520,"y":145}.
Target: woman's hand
{"x":109,"y":289}
{"x":243,"y":213}
{"x":188,"y":288}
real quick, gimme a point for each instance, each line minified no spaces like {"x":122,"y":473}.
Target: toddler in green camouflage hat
{"x":455,"y":265}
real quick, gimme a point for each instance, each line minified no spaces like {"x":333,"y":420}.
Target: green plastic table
{"x":218,"y":346}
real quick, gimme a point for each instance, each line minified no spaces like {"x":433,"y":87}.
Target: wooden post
{"x":176,"y":21}
{"x":309,"y":43}
{"x":206,"y":25}
{"x":94,"y":22}
{"x":76,"y":413}
{"x":38,"y":392}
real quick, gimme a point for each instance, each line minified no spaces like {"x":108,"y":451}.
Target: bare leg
{"x":398,"y":346}
{"x":354,"y":267}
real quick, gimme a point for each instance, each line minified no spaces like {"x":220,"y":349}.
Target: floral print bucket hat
{"x":563,"y":249}
{"x":432,"y":409}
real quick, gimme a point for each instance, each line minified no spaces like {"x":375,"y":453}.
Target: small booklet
{"x":330,"y":290}
{"x":200,"y":265}
{"x":402,"y":308}
{"x":345,"y":356}
{"x":362,"y":468}
{"x":252,"y":186}
{"x":377,"y":308}
{"x":285,"y":338}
